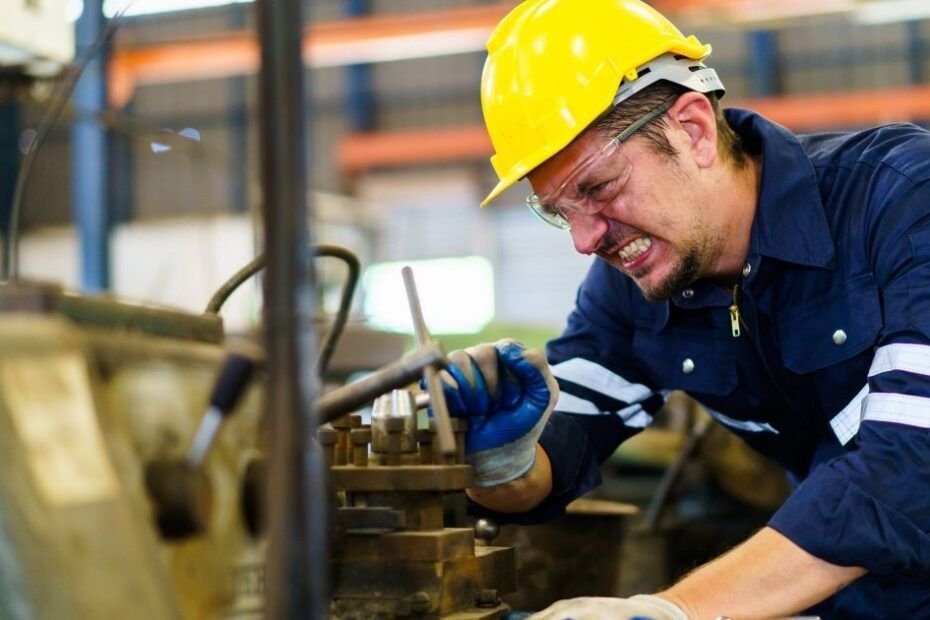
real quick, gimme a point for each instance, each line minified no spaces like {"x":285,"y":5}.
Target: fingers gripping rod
{"x":446,"y":440}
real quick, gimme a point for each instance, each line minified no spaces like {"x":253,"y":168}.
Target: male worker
{"x":781,"y":280}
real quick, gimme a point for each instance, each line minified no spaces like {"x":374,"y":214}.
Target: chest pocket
{"x":686,"y":359}
{"x":830,"y":329}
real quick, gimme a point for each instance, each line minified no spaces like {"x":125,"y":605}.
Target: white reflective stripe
{"x":900,"y":408}
{"x":634,"y":415}
{"x":743,"y":425}
{"x":595,"y":377}
{"x":572,"y":404}
{"x":845,"y":424}
{"x":913,"y":358}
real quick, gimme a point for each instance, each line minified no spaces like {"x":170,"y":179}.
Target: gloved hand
{"x":507,"y":393}
{"x":641,"y":607}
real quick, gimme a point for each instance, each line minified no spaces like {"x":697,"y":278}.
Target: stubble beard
{"x":683,"y":274}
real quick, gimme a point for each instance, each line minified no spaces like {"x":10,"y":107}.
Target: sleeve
{"x":604,"y":397}
{"x":870,"y":507}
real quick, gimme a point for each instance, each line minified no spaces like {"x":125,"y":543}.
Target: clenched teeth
{"x":633,"y":249}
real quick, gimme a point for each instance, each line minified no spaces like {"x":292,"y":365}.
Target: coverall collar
{"x":790,"y":224}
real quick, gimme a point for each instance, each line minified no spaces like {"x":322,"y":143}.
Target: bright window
{"x":456,"y":294}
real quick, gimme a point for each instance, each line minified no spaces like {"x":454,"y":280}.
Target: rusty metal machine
{"x":137,"y":485}
{"x":394,"y":557}
{"x":122,"y":499}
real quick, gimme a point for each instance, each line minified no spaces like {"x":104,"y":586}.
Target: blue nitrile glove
{"x":507,"y":393}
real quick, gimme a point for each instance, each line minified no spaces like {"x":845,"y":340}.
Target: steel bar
{"x":296,"y":500}
{"x":445,"y":439}
{"x":395,"y":375}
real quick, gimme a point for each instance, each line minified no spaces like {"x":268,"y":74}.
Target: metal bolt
{"x":425,"y":441}
{"x":328,"y":438}
{"x":343,"y":426}
{"x":360,"y":437}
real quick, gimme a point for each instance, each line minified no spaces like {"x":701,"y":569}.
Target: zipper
{"x":734,"y":312}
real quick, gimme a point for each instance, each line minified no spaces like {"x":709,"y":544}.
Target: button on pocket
{"x":829,"y":329}
{"x":686,"y":359}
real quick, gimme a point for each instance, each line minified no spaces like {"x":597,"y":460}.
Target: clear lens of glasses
{"x":588,"y":189}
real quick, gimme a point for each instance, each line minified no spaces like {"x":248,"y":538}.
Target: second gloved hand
{"x":603,"y":608}
{"x":507,"y":393}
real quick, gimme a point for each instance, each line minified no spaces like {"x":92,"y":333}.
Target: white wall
{"x":174,"y":263}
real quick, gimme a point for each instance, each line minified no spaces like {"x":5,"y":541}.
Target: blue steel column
{"x":89,"y":158}
{"x":9,"y":160}
{"x":359,"y":98}
{"x":763,"y":64}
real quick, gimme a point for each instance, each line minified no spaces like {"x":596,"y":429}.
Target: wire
{"x":9,"y":268}
{"x":345,"y":303}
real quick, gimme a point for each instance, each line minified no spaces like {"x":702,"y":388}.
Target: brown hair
{"x":640,"y":104}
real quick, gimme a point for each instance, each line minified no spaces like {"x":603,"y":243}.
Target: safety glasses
{"x":595,"y":182}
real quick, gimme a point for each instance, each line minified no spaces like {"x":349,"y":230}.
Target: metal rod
{"x":296,"y":500}
{"x":445,"y":438}
{"x":395,"y":375}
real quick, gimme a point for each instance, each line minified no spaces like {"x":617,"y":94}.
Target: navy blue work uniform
{"x":829,"y":375}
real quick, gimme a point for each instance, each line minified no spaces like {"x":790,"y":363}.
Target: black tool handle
{"x":234,"y":378}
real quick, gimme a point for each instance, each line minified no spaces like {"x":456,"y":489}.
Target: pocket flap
{"x":693,"y":361}
{"x":829,"y":329}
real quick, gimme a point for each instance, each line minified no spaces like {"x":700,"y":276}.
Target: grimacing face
{"x":659,"y":230}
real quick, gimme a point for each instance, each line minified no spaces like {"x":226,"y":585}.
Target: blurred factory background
{"x":398,"y":152}
{"x":148,"y":188}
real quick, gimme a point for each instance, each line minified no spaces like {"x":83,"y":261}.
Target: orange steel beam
{"x":381,"y":38}
{"x":363,"y":151}
{"x":835,"y":110}
{"x":359,"y":40}
{"x":845,"y":109}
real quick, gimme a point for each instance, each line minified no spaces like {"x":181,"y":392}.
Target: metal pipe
{"x":445,"y":438}
{"x":395,"y":375}
{"x":296,"y":500}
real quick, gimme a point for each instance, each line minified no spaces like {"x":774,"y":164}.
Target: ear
{"x":693,"y":112}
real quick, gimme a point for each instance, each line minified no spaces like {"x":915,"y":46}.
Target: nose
{"x":587,"y":231}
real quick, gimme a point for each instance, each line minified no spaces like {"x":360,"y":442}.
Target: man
{"x":782,"y":281}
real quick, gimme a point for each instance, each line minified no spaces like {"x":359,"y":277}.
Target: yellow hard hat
{"x":555,"y":66}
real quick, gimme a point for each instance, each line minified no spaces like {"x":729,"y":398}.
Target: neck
{"x":738,"y":206}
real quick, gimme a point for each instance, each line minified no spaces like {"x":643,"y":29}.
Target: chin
{"x":662,"y":289}
{"x":656,"y":294}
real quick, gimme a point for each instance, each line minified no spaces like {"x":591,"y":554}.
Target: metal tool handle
{"x":444,"y":436}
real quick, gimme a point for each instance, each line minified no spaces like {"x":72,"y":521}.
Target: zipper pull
{"x":734,"y":312}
